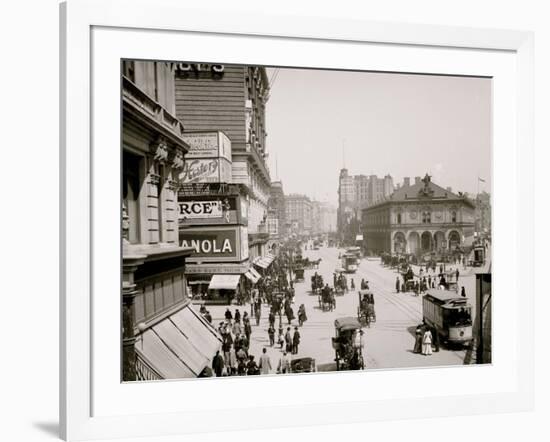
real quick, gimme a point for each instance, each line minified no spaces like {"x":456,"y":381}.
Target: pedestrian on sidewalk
{"x":284,"y":364}
{"x":271,"y":318}
{"x":457,"y":274}
{"x":463,"y":292}
{"x":281,"y":337}
{"x":288,"y":340}
{"x":418,"y":334}
{"x":295,"y":341}
{"x":252,"y":368}
{"x":237,"y":315}
{"x":228,"y":316}
{"x":208,"y":316}
{"x":218,"y":364}
{"x":237,"y":328}
{"x":396,"y":284}
{"x":271,"y":333}
{"x":232,"y":367}
{"x":265,"y":363}
{"x":427,"y":343}
{"x":352,"y":285}
{"x":247,"y":329}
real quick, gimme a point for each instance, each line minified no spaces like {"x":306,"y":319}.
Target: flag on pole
{"x":481,"y":179}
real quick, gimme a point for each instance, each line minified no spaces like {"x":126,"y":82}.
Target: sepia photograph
{"x":284,"y":220}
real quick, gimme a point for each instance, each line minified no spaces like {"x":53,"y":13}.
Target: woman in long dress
{"x":427,"y":343}
{"x":419,"y":334}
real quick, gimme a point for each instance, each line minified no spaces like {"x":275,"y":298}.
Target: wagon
{"x":348,"y":355}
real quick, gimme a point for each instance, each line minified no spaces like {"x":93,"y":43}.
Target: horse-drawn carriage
{"x":365,"y":310}
{"x":316,"y":283}
{"x":327,"y":301}
{"x":340,"y":282}
{"x":348,"y":344}
{"x":299,"y":274}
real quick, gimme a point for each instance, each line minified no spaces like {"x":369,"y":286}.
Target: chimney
{"x":406,"y":182}
{"x":416,"y":179}
{"x":449,"y":189}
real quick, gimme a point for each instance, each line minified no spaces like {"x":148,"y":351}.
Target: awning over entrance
{"x":265,"y":261}
{"x":251,"y":277}
{"x":180,"y":346}
{"x":228,"y":282}
{"x":254,"y":272}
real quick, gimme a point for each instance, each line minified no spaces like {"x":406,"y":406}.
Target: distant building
{"x":356,"y":193}
{"x":327,"y":217}
{"x":419,"y":218}
{"x":298,"y":213}
{"x":483,"y":213}
{"x":277,"y":206}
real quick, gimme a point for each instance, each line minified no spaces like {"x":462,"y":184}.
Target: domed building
{"x":419,"y":218}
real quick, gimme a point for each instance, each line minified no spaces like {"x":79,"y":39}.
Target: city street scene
{"x":279,"y":221}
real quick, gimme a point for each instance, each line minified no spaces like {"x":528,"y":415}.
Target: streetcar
{"x":355,"y":251}
{"x":350,"y":262}
{"x":451,"y":316}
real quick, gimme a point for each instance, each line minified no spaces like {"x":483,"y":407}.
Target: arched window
{"x":399,"y":218}
{"x":453,"y":216}
{"x":426,"y":217}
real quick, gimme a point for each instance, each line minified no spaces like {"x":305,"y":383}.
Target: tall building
{"x":483,"y":213}
{"x":298,"y":213}
{"x":346,"y":203}
{"x":154,"y":286}
{"x":231,"y":99}
{"x":419,"y":218}
{"x":277,"y":207}
{"x":356,"y":193}
{"x":327,"y":217}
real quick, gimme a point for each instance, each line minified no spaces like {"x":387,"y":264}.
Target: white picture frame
{"x":81,"y":414}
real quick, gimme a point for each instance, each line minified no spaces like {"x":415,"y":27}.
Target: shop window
{"x":130,"y":194}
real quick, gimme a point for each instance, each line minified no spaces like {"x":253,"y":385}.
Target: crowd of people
{"x":425,"y":280}
{"x":276,"y":292}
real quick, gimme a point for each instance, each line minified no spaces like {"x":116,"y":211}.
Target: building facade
{"x":419,"y":218}
{"x":231,"y":100}
{"x":277,"y":207}
{"x":483,"y":214}
{"x":327,"y":217}
{"x":298,"y":213}
{"x":154,"y":286}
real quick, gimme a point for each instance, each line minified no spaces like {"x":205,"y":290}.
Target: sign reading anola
{"x":211,"y":244}
{"x":200,"y":209}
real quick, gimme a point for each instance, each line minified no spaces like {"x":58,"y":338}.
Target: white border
{"x":76,"y":394}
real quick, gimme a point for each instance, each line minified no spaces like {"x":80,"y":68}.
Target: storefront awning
{"x":254,"y":272}
{"x":251,"y":277}
{"x":180,"y":346}
{"x":264,"y":262}
{"x":228,"y":282}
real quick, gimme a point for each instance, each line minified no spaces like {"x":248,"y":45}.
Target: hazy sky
{"x":402,"y":125}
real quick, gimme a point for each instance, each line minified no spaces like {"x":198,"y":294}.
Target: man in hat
{"x":295,"y":341}
{"x":218,"y":364}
